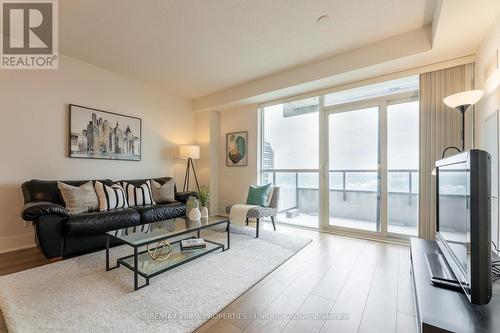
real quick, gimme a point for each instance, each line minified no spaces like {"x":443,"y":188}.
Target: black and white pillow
{"x":110,"y":197}
{"x":138,"y":195}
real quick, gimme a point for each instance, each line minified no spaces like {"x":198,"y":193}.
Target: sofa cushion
{"x":137,"y":182}
{"x":79,"y":199}
{"x":161,"y":212}
{"x":94,"y":223}
{"x":139,"y":195}
{"x":47,"y":190}
{"x":163,"y":193}
{"x":110,"y":197}
{"x":258,"y":195}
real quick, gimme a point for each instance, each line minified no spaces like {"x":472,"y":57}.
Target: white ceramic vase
{"x":204,"y":212}
{"x":194,"y":214}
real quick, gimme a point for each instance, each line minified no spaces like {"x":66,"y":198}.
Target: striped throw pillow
{"x":138,"y":195}
{"x":110,"y":197}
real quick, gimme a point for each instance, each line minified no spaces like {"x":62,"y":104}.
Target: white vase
{"x":194,"y":214}
{"x":204,"y":212}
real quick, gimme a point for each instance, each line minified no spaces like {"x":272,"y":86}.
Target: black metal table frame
{"x":159,"y":239}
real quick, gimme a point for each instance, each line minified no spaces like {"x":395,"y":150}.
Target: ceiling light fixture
{"x":322,"y":19}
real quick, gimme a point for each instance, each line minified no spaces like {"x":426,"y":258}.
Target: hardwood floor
{"x":21,"y":260}
{"x":335,"y":284}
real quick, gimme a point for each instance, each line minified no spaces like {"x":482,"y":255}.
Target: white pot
{"x":204,"y":212}
{"x":194,"y":214}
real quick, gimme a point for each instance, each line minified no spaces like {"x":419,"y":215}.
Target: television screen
{"x":464,"y":220}
{"x":454,"y":215}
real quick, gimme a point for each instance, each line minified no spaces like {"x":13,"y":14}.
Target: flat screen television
{"x":464,"y":220}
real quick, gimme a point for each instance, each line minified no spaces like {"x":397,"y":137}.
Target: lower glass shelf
{"x":148,"y":267}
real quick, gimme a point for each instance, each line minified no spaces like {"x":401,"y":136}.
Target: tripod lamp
{"x":189,"y":153}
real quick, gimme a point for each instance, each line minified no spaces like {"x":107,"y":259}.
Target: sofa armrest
{"x":35,"y":209}
{"x":49,"y":231}
{"x":183,"y":196}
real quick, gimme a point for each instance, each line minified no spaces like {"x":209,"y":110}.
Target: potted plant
{"x":204,"y":200}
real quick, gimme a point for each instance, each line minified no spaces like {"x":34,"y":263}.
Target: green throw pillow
{"x":258,"y":195}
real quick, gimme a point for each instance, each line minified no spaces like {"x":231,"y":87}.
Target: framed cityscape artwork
{"x":237,"y":149}
{"x":98,"y":134}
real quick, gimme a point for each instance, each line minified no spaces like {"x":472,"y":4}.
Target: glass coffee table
{"x":143,"y":264}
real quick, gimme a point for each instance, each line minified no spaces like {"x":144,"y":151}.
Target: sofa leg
{"x":247,"y":220}
{"x":257,"y":228}
{"x":274,"y":225}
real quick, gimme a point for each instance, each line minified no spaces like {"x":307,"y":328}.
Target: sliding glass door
{"x":372,"y":176}
{"x":354,"y":176}
{"x":346,"y":160}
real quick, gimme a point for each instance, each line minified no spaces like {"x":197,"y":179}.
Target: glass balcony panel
{"x":402,"y":162}
{"x":351,"y":207}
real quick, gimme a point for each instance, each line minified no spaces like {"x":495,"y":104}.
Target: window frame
{"x":323,"y":171}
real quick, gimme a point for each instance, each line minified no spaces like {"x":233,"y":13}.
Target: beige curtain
{"x":440,"y":127}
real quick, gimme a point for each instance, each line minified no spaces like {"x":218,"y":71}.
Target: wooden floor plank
{"x":347,"y":312}
{"x":270,"y":290}
{"x":221,"y":326}
{"x":335,"y":278}
{"x":380,"y":314}
{"x":310,"y":316}
{"x":280,"y":311}
{"x":21,"y":260}
{"x":406,"y":323}
{"x":405,"y":296}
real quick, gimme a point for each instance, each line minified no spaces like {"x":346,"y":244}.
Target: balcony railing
{"x":353,"y":193}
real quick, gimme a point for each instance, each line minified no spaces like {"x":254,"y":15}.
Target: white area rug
{"x":78,"y":295}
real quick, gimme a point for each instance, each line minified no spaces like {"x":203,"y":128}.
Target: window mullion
{"x":383,"y":169}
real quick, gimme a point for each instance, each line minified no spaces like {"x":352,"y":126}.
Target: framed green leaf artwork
{"x":237,"y":149}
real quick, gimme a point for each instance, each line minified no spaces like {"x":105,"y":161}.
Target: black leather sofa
{"x":63,"y":235}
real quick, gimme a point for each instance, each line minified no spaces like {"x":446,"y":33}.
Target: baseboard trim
{"x":388,"y":240}
{"x":16,"y":243}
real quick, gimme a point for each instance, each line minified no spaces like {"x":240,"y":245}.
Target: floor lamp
{"x":461,"y":102}
{"x":189,"y":153}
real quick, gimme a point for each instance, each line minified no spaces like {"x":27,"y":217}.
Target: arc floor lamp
{"x":461,"y":102}
{"x":189,"y":153}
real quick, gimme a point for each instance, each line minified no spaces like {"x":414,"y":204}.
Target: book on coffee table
{"x":193,"y":244}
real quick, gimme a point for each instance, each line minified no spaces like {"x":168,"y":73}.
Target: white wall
{"x":207,"y":168}
{"x":491,"y":86}
{"x":234,"y":181}
{"x":34,"y":132}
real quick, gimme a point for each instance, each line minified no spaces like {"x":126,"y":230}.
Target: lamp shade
{"x":189,"y":151}
{"x":469,"y":97}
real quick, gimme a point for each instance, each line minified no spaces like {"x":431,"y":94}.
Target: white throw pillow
{"x":138,"y":195}
{"x":110,"y":197}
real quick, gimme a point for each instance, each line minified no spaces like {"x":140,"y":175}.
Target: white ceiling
{"x":197,"y":47}
{"x":457,"y":31}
